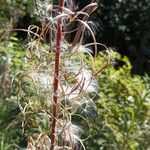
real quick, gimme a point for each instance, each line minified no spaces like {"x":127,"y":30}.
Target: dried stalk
{"x":56,"y":76}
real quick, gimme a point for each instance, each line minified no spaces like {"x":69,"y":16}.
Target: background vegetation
{"x":122,"y":114}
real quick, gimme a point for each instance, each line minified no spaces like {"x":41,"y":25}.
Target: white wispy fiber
{"x":68,"y":132}
{"x":75,"y":97}
{"x":43,"y":80}
{"x":42,"y":8}
{"x":84,"y":49}
{"x":83,"y":76}
{"x":88,"y":83}
{"x":38,"y":48}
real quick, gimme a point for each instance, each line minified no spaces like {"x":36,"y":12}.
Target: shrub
{"x":123,"y":107}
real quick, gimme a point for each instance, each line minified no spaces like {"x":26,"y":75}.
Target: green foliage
{"x":123,"y":106}
{"x":123,"y":100}
{"x":125,"y":26}
{"x":12,"y":61}
{"x":9,"y":136}
{"x":12,"y":10}
{"x":12,"y":55}
{"x":126,"y":22}
{"x":130,"y":15}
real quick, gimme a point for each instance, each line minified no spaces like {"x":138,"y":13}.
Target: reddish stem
{"x":56,"y":76}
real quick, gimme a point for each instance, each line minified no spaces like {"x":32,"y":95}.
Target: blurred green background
{"x":123,"y":101}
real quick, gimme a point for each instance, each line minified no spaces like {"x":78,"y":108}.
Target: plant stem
{"x":56,"y":76}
